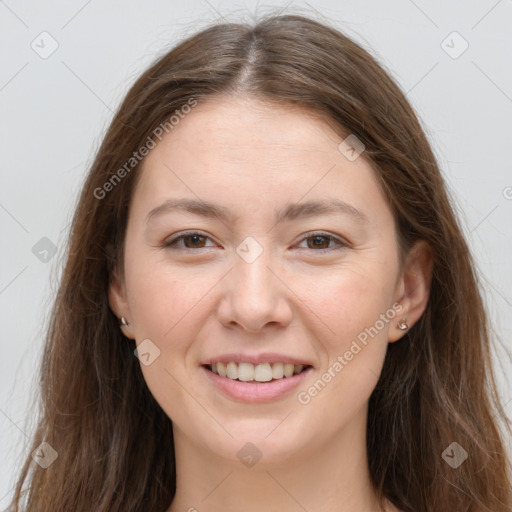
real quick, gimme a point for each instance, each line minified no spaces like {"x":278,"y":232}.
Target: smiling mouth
{"x":260,"y":373}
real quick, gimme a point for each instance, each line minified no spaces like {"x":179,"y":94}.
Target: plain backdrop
{"x":65,"y":66}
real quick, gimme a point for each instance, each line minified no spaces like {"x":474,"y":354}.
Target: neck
{"x":332,"y":477}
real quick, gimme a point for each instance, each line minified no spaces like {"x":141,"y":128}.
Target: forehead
{"x":251,"y":153}
{"x":236,"y":124}
{"x":249,"y":131}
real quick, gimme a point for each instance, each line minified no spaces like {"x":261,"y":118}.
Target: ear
{"x":118,"y":302}
{"x":413,"y":287}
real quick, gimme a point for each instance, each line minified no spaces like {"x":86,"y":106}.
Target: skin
{"x":252,"y":158}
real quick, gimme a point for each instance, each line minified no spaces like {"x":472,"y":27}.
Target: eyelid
{"x":180,"y":236}
{"x":341,"y":243}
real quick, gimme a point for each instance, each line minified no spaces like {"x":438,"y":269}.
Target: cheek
{"x":165,"y":310}
{"x":356,"y":311}
{"x":338,"y":302}
{"x":162,"y":296}
{"x":354,"y":360}
{"x":347,"y":301}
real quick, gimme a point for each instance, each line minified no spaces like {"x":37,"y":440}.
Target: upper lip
{"x":238,"y":357}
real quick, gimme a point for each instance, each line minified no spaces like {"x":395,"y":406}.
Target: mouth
{"x":259,"y":383}
{"x":256,"y":373}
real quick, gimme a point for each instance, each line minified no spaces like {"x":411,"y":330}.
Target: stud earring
{"x":402,"y":324}
{"x":124,"y":323}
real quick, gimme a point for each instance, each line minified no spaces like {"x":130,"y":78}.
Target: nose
{"x":255,"y":295}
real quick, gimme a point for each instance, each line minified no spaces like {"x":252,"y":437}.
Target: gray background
{"x":54,"y":111}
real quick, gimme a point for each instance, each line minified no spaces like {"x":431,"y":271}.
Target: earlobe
{"x":118,"y":303}
{"x":414,"y":288}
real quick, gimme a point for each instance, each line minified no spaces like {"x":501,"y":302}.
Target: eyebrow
{"x":291,"y":211}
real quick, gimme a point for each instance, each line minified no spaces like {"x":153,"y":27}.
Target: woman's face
{"x":269,"y":278}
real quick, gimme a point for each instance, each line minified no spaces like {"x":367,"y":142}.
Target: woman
{"x":268,"y":303}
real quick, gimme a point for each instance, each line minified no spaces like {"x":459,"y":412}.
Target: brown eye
{"x":195,"y":241}
{"x":320,"y":242}
{"x":191,"y":241}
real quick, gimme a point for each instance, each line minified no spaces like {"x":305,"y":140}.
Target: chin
{"x":258,"y":441}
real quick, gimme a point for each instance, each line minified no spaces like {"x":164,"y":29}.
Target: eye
{"x":192,"y":240}
{"x":320,"y":241}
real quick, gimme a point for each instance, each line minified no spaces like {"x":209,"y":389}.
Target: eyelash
{"x":340,"y":242}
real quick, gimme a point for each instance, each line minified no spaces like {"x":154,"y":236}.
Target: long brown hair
{"x":114,"y":442}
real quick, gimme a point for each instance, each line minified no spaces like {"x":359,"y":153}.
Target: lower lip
{"x":257,"y":391}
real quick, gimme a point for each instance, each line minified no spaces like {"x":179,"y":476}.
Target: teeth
{"x":221,"y":369}
{"x":297,"y":368}
{"x":232,"y":371}
{"x":247,"y":372}
{"x":263,"y":372}
{"x":288,"y":370}
{"x":277,"y":371}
